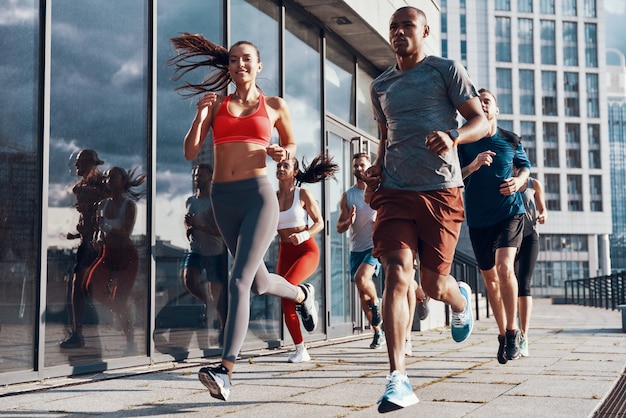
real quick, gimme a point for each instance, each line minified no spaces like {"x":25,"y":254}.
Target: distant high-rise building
{"x":616,"y":95}
{"x":545,"y":61}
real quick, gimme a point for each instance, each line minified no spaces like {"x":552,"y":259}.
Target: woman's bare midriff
{"x":238,"y":161}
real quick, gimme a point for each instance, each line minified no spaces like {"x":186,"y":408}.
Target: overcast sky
{"x":615,"y":15}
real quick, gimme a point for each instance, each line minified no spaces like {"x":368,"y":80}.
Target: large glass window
{"x":364,"y":116}
{"x":548,"y":93}
{"x":258,"y":20}
{"x":572,"y":145}
{"x":504,"y":5}
{"x":525,"y":41}
{"x":20,"y":179}
{"x":593,"y":96}
{"x":591,"y":45}
{"x":505,"y":90}
{"x":546,"y":7}
{"x":303,"y":79}
{"x":503,"y":39}
{"x":548,"y":45}
{"x":593,"y":133}
{"x":183,"y":322}
{"x":570,"y":43}
{"x":590,"y":8}
{"x":574,"y":193}
{"x":571,"y":93}
{"x":527,"y":92}
{"x":550,"y":144}
{"x":529,"y":140}
{"x":569,"y":8}
{"x":595,"y":193}
{"x":99,"y":95}
{"x":525,"y":6}
{"x":339,"y":81}
{"x":552,"y":187}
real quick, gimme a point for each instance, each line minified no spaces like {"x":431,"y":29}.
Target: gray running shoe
{"x":216,"y":380}
{"x":512,"y":344}
{"x":376,"y":318}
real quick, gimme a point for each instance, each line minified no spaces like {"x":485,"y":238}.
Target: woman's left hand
{"x":277,"y":153}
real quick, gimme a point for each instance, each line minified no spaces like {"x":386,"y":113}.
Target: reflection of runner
{"x":299,"y":255}
{"x":207,"y":250}
{"x":89,"y":190}
{"x":111,"y":278}
{"x":246,"y":208}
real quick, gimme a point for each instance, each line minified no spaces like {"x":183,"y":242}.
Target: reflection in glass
{"x":20,"y":176}
{"x":364,"y":116}
{"x":98,"y":61}
{"x":339,"y":73}
{"x":183,"y":322}
{"x":302,"y":92}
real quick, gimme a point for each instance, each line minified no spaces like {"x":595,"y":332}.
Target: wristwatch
{"x":454,"y":134}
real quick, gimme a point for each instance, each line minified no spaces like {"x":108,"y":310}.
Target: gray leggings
{"x":246,"y":213}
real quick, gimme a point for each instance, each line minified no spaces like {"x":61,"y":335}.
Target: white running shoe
{"x":299,"y":356}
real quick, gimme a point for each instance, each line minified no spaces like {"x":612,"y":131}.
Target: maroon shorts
{"x":427,"y":222}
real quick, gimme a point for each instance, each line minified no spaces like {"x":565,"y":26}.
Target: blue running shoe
{"x":398,"y":393}
{"x":463,"y":322}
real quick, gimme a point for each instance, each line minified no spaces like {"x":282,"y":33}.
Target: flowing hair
{"x":320,"y":168}
{"x":131,"y":182}
{"x":195,"y":51}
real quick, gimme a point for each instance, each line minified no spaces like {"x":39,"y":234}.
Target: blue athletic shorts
{"x":363,"y":257}
{"x":216,"y":266}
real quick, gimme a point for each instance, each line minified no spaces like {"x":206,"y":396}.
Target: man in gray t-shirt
{"x":415,"y":185}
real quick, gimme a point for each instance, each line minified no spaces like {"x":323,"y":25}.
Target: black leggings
{"x":525,"y":263}
{"x":246,"y":213}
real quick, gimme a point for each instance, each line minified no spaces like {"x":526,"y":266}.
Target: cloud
{"x":615,"y":6}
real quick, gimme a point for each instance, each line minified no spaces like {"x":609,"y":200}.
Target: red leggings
{"x":296,"y":263}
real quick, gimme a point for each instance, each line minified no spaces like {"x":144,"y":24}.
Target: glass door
{"x":343,"y":310}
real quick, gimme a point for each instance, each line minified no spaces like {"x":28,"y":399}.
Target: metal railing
{"x":601,"y":292}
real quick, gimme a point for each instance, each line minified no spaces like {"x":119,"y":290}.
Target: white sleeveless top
{"x":361,"y":229}
{"x":295,"y":216}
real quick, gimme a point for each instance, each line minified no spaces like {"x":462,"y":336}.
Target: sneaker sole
{"x":386,"y":405}
{"x":214,"y":388}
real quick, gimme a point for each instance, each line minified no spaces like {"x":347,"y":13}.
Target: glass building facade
{"x":91,"y":75}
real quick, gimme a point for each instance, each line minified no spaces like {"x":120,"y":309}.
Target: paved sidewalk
{"x":576,"y":356}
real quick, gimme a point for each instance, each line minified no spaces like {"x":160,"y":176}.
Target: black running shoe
{"x":512,"y":344}
{"x":216,"y":380}
{"x":308,"y":311}
{"x":501,"y":355}
{"x":376,"y":318}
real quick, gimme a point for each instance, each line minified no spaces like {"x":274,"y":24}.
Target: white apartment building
{"x":545,"y":61}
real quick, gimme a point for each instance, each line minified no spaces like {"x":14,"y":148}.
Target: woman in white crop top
{"x":111,"y":278}
{"x":299,"y":255}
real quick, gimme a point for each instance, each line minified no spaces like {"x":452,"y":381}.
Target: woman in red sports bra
{"x":245,"y":206}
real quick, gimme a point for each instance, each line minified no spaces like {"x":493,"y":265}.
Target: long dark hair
{"x":320,"y":168}
{"x":195,"y":51}
{"x":131,"y":182}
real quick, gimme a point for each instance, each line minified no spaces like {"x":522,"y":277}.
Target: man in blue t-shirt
{"x":494,"y":212}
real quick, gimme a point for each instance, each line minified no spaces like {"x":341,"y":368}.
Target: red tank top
{"x":255,"y":128}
